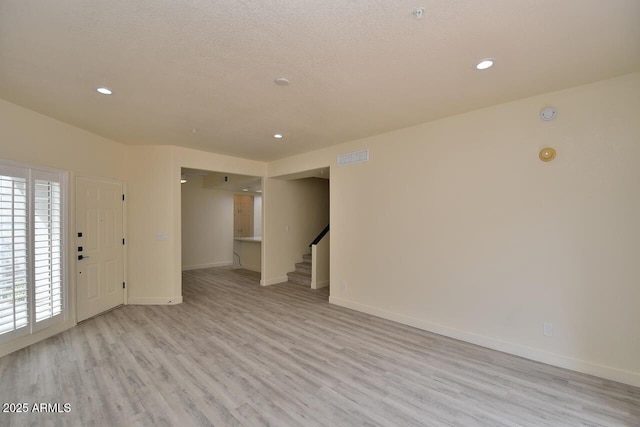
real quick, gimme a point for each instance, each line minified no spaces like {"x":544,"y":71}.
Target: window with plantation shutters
{"x":14,"y":311}
{"x":47,"y":249}
{"x":32,"y":284}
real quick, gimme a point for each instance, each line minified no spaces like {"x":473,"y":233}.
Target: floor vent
{"x":355,"y":157}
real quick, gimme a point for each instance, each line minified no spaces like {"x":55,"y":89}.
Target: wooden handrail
{"x":320,"y":236}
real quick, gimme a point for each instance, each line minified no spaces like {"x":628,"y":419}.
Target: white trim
{"x":323,"y":284}
{"x":255,"y":268}
{"x":154,"y":301}
{"x":276,"y":280}
{"x":125,"y":251}
{"x":16,"y":334}
{"x":607,"y":372}
{"x":102,"y":179}
{"x":210,"y":265}
{"x":314,"y":266}
{"x":25,"y":341}
{"x":66,"y":197}
{"x":64,"y":201}
{"x":32,"y":166}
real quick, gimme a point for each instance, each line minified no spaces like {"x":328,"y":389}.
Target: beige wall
{"x":152,"y":180}
{"x":29,"y":137}
{"x":455,"y":226}
{"x":249,"y":254}
{"x":155,"y":214}
{"x":294,"y":213}
{"x":207,"y":225}
{"x":152,"y":236}
{"x":153,"y":203}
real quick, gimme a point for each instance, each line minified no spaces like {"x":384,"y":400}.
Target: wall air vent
{"x":355,"y":157}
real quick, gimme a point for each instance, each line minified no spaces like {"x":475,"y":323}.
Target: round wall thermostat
{"x":548,"y":114}
{"x":547,"y":154}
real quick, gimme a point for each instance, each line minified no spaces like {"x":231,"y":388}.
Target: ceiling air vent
{"x":355,"y":157}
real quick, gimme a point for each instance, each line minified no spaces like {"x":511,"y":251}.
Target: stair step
{"x":306,"y":258}
{"x":299,"y":278}
{"x":303,"y":267}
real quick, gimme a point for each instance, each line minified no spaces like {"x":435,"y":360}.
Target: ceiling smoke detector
{"x":281,"y":81}
{"x":549,"y":113}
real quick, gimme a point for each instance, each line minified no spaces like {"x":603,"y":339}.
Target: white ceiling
{"x":357,"y":67}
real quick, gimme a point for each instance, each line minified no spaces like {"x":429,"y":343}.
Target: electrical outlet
{"x":547,"y":329}
{"x":286,"y":228}
{"x":343,"y":286}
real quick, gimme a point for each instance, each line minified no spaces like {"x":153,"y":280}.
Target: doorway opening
{"x":303,"y":211}
{"x":221,"y":220}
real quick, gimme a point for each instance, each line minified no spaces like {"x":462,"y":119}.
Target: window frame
{"x":33,"y":173}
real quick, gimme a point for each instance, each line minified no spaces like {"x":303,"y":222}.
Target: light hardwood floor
{"x":235,"y":353}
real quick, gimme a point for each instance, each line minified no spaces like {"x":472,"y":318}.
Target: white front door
{"x":99,"y":245}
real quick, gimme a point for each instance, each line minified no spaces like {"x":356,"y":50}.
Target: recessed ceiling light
{"x":104,"y":90}
{"x":281,"y":81}
{"x":484,"y":64}
{"x":258,"y":191}
{"x":245,"y":189}
{"x":277,"y":135}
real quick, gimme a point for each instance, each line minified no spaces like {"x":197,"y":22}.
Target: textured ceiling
{"x":357,"y":67}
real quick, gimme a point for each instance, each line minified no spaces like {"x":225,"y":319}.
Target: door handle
{"x":81,"y":257}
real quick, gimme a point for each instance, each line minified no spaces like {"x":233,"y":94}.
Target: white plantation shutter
{"x":47,"y":246}
{"x":14,"y":310}
{"x":31,"y":251}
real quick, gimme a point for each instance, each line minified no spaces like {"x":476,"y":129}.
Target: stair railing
{"x":320,"y":236}
{"x":320,"y":260}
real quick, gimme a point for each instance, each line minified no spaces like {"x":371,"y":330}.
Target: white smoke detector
{"x":549,"y":113}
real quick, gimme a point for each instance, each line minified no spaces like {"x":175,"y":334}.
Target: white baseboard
{"x":320,"y":285}
{"x":268,"y":282}
{"x":22,"y":342}
{"x":607,"y":372}
{"x":210,"y":265}
{"x":255,"y":268}
{"x":154,"y":301}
